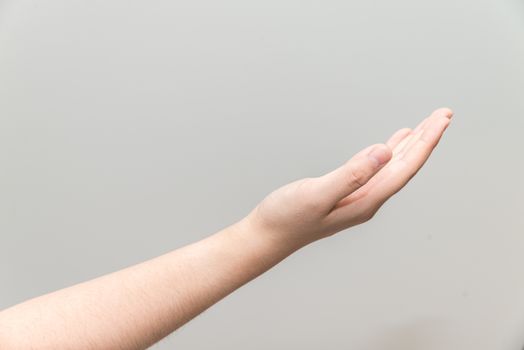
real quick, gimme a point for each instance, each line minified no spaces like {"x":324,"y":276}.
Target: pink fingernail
{"x":380,"y":155}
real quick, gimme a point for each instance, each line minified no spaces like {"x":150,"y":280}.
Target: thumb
{"x":354,"y":174}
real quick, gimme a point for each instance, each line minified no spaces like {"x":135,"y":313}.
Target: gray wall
{"x":130,"y":128}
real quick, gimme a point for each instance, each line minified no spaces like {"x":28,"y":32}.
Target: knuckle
{"x":370,"y":215}
{"x":356,"y":176}
{"x":366,"y":216}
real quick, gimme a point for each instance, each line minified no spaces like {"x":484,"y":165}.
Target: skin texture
{"x":135,"y":307}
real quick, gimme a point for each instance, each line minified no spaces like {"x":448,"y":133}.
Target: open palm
{"x":312,"y":208}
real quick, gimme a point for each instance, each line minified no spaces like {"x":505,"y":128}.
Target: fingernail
{"x":380,"y":155}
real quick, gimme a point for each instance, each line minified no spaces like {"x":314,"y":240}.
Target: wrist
{"x":270,"y":239}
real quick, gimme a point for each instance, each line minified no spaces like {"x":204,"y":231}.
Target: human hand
{"x":137,"y":306}
{"x":312,"y":208}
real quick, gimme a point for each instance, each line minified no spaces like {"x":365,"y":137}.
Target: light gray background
{"x":130,"y":128}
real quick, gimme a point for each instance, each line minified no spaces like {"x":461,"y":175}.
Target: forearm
{"x":135,"y":307}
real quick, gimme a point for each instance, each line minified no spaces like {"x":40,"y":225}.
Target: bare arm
{"x":135,"y":307}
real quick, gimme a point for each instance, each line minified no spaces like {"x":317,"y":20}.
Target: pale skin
{"x":135,"y":307}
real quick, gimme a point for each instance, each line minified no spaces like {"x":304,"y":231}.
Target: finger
{"x":445,"y":113}
{"x":405,"y":144}
{"x":398,"y":137}
{"x":402,"y":144}
{"x":439,"y":112}
{"x":422,"y":124}
{"x":408,"y":142}
{"x":396,"y":175}
{"x":419,"y":152}
{"x":403,"y":169}
{"x":412,"y":137}
{"x":354,"y":174}
{"x":396,"y":142}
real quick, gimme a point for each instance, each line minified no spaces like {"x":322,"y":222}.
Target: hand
{"x":313,"y":208}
